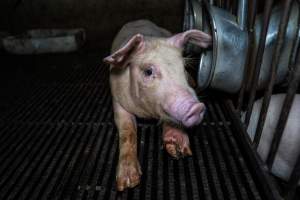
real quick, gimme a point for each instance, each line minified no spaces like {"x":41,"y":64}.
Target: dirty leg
{"x":128,"y":169}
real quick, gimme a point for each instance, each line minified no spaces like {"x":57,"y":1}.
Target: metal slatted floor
{"x":60,"y":143}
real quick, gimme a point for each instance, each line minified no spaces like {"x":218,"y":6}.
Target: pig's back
{"x":144,"y":27}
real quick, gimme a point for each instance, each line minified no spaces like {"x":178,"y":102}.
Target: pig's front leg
{"x":176,"y":141}
{"x":128,"y":170}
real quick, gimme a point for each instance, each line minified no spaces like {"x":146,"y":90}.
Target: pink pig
{"x":148,"y":79}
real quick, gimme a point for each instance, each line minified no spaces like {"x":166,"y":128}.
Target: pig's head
{"x":158,"y":81}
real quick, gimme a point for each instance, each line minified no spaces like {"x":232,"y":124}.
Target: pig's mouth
{"x":186,"y":113}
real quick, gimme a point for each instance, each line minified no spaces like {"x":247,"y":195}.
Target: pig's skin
{"x":165,"y":94}
{"x":289,"y":147}
{"x":143,"y":27}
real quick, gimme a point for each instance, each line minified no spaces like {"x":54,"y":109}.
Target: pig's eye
{"x":148,"y":72}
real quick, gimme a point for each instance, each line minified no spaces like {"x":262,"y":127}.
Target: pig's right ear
{"x":196,"y":37}
{"x":118,"y":58}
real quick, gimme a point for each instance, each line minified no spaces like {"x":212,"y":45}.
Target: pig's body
{"x":289,"y":147}
{"x":148,"y":79}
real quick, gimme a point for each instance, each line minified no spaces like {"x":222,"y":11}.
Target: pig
{"x":148,"y":80}
{"x":289,"y":147}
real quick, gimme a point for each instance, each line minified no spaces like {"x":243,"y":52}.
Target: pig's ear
{"x":194,"y":36}
{"x":120,"y":56}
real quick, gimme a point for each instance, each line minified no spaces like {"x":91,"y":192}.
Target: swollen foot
{"x":176,"y":142}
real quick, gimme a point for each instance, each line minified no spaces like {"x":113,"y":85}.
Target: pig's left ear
{"x":194,"y":36}
{"x":120,"y":56}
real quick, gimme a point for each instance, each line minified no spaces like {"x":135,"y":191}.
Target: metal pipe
{"x":293,"y":182}
{"x":288,"y":101}
{"x":251,"y":18}
{"x":242,"y":14}
{"x":258,"y":58}
{"x":292,"y":60}
{"x":273,"y":72}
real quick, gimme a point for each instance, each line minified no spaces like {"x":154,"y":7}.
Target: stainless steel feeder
{"x":223,"y":66}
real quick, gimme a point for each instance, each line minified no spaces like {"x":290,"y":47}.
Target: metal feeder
{"x":223,"y":66}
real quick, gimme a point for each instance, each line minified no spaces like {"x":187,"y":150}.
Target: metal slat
{"x":202,"y":171}
{"x":285,"y":110}
{"x":98,"y":171}
{"x":293,"y":182}
{"x":212,"y":173}
{"x":191,"y":179}
{"x":42,"y":164}
{"x":160,"y":164}
{"x":249,"y":68}
{"x":27,"y":174}
{"x":223,"y":168}
{"x":78,"y":158}
{"x":88,"y":170}
{"x":260,"y":170}
{"x":64,"y":160}
{"x":274,"y":64}
{"x":71,"y":173}
{"x":236,"y":160}
{"x":258,"y":57}
{"x":141,"y":154}
{"x":15,"y":156}
{"x":108,"y":178}
{"x":19,"y":163}
{"x":149,"y":169}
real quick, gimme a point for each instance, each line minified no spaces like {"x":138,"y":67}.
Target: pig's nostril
{"x":194,"y":115}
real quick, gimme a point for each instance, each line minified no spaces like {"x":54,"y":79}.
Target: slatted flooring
{"x":60,"y":142}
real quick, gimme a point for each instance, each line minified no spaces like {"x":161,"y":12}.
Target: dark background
{"x":101,"y":18}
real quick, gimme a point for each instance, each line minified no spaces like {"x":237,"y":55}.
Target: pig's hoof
{"x":177,"y":143}
{"x":128,"y":174}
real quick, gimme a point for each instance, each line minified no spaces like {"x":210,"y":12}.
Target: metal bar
{"x":293,"y":182}
{"x":268,"y":185}
{"x":26,"y":175}
{"x":228,"y":136}
{"x":221,"y":158}
{"x":71,"y":176}
{"x":40,"y":171}
{"x":141,"y":152}
{"x":287,"y":104}
{"x":94,"y":155}
{"x":112,"y":158}
{"x":64,"y":163}
{"x":272,"y":77}
{"x":292,"y":60}
{"x":258,"y":58}
{"x":242,"y":14}
{"x":202,"y":175}
{"x":160,"y":167}
{"x":49,"y":165}
{"x":149,"y":164}
{"x":98,"y":172}
{"x":251,"y":22}
{"x":217,"y":191}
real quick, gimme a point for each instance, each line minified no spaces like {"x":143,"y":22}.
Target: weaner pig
{"x":147,"y":78}
{"x":289,"y":147}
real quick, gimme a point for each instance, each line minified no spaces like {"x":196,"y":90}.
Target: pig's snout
{"x":195,"y":115}
{"x":188,"y":112}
